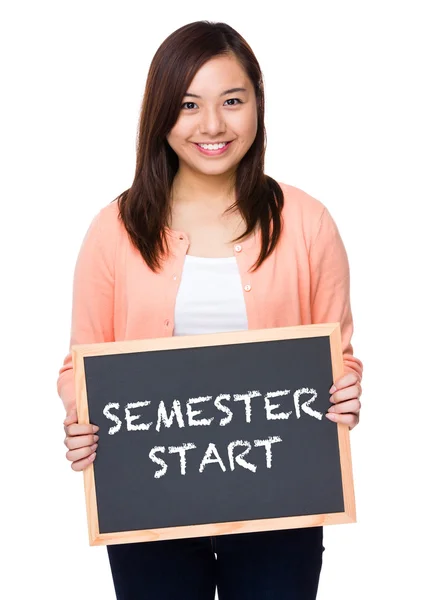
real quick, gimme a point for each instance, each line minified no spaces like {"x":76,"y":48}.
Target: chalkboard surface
{"x":213,"y":434}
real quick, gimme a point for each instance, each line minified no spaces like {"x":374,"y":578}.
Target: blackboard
{"x":214,"y":434}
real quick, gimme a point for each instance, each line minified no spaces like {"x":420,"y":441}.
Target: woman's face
{"x":219,"y":106}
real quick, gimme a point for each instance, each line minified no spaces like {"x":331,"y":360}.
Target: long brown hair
{"x":144,"y":208}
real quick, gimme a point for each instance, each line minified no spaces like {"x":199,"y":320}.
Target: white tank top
{"x":210,"y":297}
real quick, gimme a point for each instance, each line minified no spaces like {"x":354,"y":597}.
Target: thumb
{"x":71,"y":417}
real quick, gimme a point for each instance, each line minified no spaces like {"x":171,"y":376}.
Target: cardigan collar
{"x":250,"y":243}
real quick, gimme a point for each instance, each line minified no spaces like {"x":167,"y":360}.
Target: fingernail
{"x":332,"y":409}
{"x":332,"y":389}
{"x":330,"y":416}
{"x":92,"y":456}
{"x":95,"y":428}
{"x":96,"y":438}
{"x":93,"y":447}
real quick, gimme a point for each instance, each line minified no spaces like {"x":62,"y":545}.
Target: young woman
{"x":203,"y":241}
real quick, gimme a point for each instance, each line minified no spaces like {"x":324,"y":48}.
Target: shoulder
{"x":306,"y":219}
{"x":107,"y":218}
{"x":107,"y":226}
{"x":304,"y":214}
{"x":104,"y":232}
{"x":300,"y":204}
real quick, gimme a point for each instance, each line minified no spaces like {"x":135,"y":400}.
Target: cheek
{"x":178,"y":136}
{"x":247,"y":126}
{"x":253,"y":129}
{"x":175,"y":136}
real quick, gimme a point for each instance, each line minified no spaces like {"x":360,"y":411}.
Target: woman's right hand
{"x":80,"y":440}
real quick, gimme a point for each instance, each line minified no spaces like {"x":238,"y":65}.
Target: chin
{"x":214,"y":169}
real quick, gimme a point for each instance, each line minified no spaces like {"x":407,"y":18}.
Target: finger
{"x":79,"y":441}
{"x":77,"y":429}
{"x":345,"y":419}
{"x":344,"y":381}
{"x":80,"y":465}
{"x":349,"y":406}
{"x":71,"y":417}
{"x":346,"y":394}
{"x":74,"y":455}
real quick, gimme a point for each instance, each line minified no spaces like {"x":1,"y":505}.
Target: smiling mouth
{"x":213,"y":149}
{"x":212,"y":146}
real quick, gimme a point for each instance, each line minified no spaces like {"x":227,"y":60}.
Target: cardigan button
{"x":247,"y":287}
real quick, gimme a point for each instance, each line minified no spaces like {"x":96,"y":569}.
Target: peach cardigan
{"x":117,"y":297}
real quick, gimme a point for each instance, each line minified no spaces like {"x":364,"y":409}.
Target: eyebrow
{"x":230,"y":91}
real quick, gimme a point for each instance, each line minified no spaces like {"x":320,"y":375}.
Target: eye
{"x":234,"y":100}
{"x":193,"y":105}
{"x":183,"y":105}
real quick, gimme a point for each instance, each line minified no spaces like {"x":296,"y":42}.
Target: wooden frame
{"x":331,"y":330}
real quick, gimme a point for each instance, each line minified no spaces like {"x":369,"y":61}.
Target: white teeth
{"x":213,"y":146}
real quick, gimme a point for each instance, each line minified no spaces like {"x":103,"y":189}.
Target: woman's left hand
{"x":346,"y":405}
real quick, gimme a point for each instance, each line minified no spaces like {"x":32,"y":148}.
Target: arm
{"x":330,"y":286}
{"x":93,"y":301}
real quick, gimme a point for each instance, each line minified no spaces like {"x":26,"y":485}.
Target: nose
{"x":211,"y":122}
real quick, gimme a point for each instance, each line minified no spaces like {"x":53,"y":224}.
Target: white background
{"x":344,"y":117}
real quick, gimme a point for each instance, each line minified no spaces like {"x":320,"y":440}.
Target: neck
{"x":190,"y":187}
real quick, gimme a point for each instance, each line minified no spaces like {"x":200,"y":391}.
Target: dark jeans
{"x":283,"y":565}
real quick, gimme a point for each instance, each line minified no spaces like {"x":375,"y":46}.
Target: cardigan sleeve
{"x":330,"y":286}
{"x":92,"y":303}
